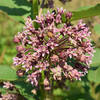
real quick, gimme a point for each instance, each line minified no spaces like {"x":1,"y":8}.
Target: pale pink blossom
{"x":55,"y":49}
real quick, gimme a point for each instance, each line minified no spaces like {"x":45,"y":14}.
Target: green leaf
{"x":84,"y":8}
{"x":97,"y":28}
{"x":25,"y":89}
{"x":7,"y":73}
{"x":94,"y":72}
{"x":96,"y":58}
{"x":16,"y":9}
{"x":97,"y":90}
{"x":85,"y":13}
{"x":2,"y":90}
{"x":94,"y":75}
{"x":59,"y":92}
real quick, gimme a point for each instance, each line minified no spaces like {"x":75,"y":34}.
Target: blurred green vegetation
{"x":8,"y":28}
{"x":89,"y":87}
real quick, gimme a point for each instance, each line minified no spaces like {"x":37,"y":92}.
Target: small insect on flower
{"x":50,"y":34}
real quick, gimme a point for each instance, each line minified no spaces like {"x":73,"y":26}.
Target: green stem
{"x":34,"y":12}
{"x":42,"y":92}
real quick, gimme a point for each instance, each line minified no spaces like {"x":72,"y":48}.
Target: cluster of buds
{"x":56,"y":50}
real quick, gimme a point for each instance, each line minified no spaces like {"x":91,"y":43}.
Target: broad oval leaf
{"x":96,"y":58}
{"x":85,"y":13}
{"x":97,"y":28}
{"x":7,"y":73}
{"x":16,"y":9}
{"x":94,"y":75}
{"x":94,"y":72}
{"x":25,"y":89}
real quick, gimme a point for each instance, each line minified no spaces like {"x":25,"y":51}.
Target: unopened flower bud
{"x":46,"y":82}
{"x":54,"y":58}
{"x":82,"y":58}
{"x":20,"y":72}
{"x":16,"y":39}
{"x":19,"y":48}
{"x":69,"y":15}
{"x":34,"y":91}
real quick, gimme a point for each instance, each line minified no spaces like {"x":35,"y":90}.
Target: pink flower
{"x":69,"y":15}
{"x":58,"y":18}
{"x":46,"y":82}
{"x":20,"y":48}
{"x":33,"y":78}
{"x":8,"y":85}
{"x":16,"y":39}
{"x":42,"y":65}
{"x":52,"y":51}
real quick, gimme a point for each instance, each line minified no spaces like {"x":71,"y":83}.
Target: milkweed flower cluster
{"x":55,"y":50}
